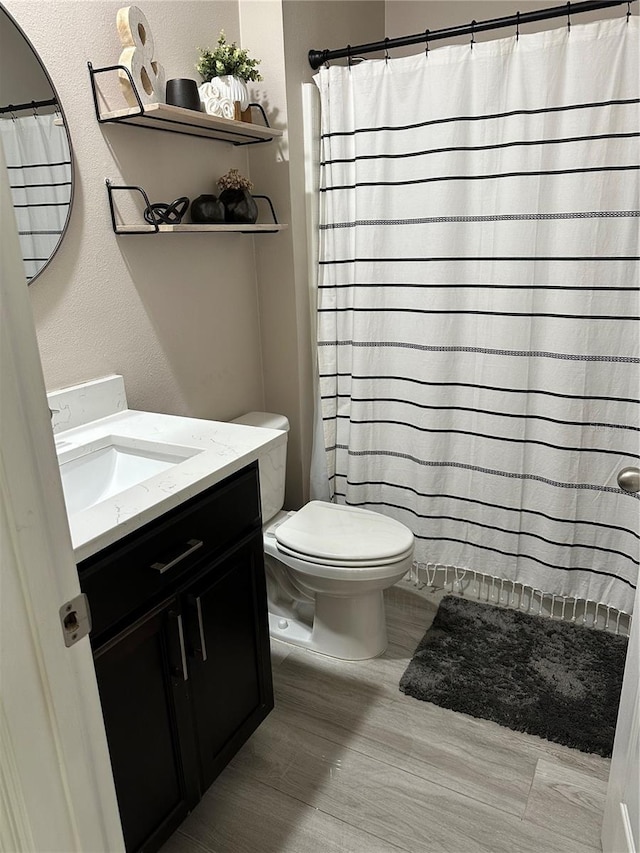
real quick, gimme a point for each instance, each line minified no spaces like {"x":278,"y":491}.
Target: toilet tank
{"x":272,"y":464}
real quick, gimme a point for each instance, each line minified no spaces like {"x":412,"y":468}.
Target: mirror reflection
{"x":36,"y":148}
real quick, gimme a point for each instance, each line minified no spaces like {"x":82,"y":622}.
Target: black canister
{"x":183,"y":92}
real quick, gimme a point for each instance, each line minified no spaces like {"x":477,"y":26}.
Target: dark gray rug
{"x":553,"y":679}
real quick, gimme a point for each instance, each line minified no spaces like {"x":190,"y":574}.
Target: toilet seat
{"x":346,"y":564}
{"x":329,"y":534}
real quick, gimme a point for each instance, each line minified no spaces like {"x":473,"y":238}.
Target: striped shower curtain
{"x":478,"y":312}
{"x":39,"y":165}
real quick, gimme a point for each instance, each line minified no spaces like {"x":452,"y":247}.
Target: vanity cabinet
{"x":181,"y":650}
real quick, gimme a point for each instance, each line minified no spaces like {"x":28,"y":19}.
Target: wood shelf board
{"x":181,"y":120}
{"x":190,"y":228}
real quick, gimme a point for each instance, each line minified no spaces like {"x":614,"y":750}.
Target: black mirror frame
{"x":66,"y":128}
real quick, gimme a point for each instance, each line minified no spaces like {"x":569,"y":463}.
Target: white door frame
{"x":56,"y":785}
{"x":621,"y":826}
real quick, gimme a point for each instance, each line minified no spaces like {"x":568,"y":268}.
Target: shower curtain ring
{"x":349,"y":56}
{"x":517,"y":26}
{"x":426,"y":38}
{"x":386,"y":51}
{"x":628,"y":10}
{"x":473,"y":35}
{"x":569,"y":16}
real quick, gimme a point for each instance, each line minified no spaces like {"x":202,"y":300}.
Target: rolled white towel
{"x":206,"y":91}
{"x":225,"y":88}
{"x":222,"y":107}
{"x":211,"y":106}
{"x":227,"y":108}
{"x":216,"y":99}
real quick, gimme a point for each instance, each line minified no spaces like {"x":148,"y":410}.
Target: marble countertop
{"x":224,"y":448}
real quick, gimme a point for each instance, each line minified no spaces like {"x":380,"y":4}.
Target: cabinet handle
{"x":193,"y":545}
{"x":183,"y":653}
{"x":203,"y":645}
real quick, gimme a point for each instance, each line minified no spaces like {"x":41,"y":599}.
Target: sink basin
{"x":94,"y":472}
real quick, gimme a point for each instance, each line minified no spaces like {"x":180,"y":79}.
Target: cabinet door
{"x":142,"y":676}
{"x":230,"y":662}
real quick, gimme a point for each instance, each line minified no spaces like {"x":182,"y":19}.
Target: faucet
{"x":53,"y":412}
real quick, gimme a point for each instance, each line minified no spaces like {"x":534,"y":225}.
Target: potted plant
{"x":226,"y":70}
{"x":239,"y":204}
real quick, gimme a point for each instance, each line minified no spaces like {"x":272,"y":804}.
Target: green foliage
{"x":227,"y":59}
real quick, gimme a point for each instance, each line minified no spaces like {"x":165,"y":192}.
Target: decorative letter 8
{"x":148,"y":75}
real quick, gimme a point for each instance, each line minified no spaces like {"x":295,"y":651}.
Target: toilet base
{"x":347,"y":628}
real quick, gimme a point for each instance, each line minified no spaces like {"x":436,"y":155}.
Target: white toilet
{"x":327,"y":564}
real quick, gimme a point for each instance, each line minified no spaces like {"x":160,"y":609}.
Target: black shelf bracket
{"x":117,"y":229}
{"x":92,"y":76}
{"x":266,"y":124}
{"x":273,"y":214}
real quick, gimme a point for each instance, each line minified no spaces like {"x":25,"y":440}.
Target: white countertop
{"x":226,"y":448}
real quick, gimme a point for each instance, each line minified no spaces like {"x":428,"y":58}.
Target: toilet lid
{"x":341,"y":534}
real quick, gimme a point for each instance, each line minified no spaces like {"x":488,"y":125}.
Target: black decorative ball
{"x":239,"y":207}
{"x":207,"y":208}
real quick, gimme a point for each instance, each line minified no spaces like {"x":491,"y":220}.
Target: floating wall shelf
{"x":195,"y":228}
{"x":188,"y":227}
{"x":179,"y":120}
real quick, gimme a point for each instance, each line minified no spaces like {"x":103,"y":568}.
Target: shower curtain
{"x":478,"y":302}
{"x":39,"y":167}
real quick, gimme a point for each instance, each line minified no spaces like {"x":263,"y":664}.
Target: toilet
{"x":327,"y":564}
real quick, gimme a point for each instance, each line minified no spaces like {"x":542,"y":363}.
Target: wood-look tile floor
{"x":348,"y":764}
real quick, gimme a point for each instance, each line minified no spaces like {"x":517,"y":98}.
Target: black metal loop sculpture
{"x":164,"y":213}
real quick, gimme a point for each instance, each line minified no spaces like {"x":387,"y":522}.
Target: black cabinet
{"x":181,"y":649}
{"x":229,"y":663}
{"x":145,"y":704}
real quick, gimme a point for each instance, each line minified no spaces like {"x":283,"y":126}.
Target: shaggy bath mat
{"x":559,"y":681}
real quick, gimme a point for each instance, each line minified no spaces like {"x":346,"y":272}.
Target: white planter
{"x":218,"y":96}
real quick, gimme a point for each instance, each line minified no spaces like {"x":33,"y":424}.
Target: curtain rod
{"x":31,"y":105}
{"x":318,"y":57}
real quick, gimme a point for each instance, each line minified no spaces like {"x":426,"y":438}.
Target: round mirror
{"x":37,"y":148}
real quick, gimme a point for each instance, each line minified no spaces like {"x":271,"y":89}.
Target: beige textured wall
{"x":283,"y":374}
{"x":198,"y":325}
{"x":405,"y":17}
{"x":288,"y":29}
{"x":176,"y":314}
